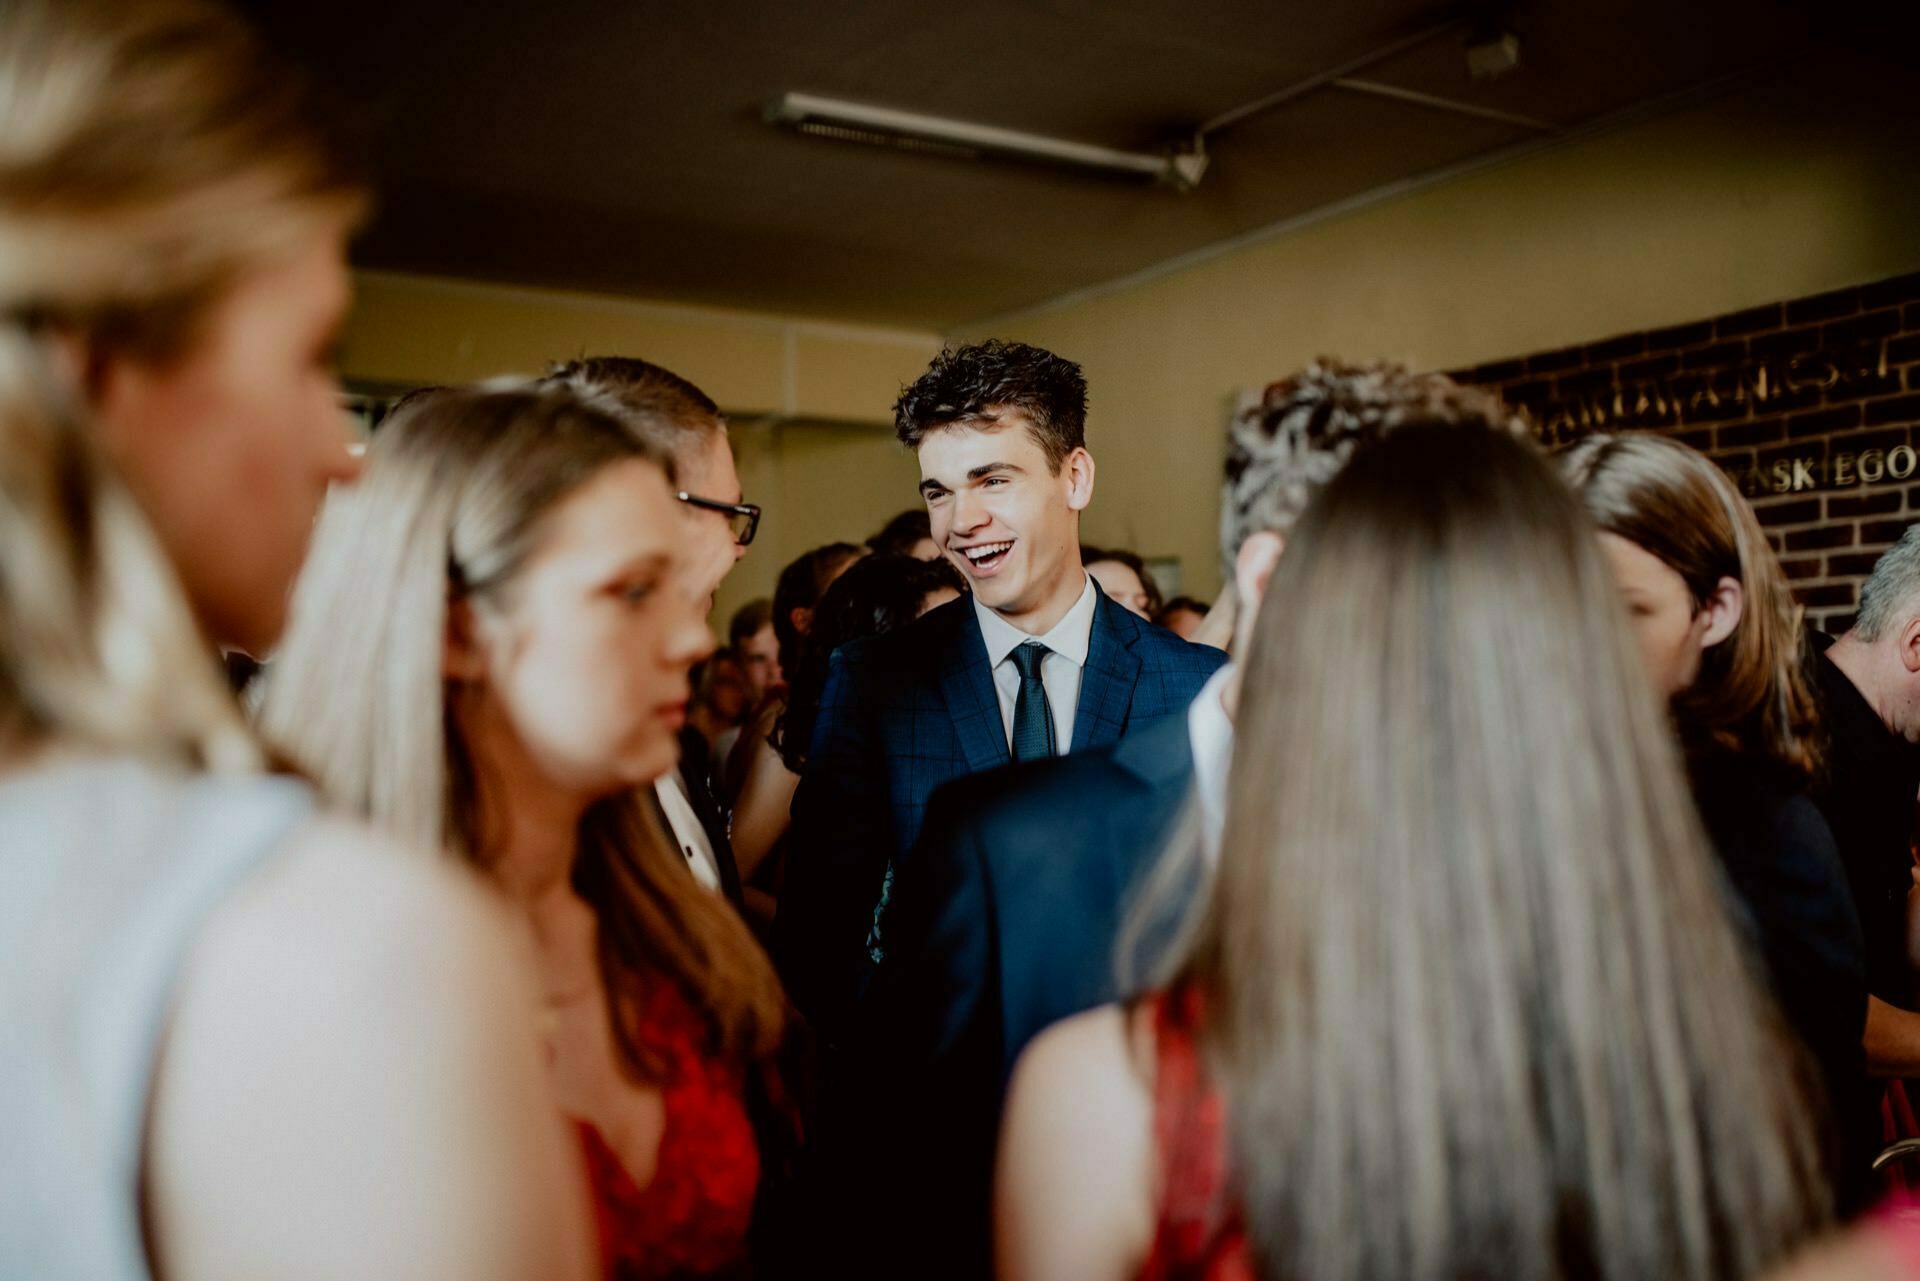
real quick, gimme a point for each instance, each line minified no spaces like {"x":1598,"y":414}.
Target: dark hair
{"x":747,"y":620}
{"x":899,"y":536}
{"x":799,"y":587}
{"x":658,"y":405}
{"x":974,"y":384}
{"x":1121,"y":556}
{"x":1177,"y":604}
{"x":878,"y":595}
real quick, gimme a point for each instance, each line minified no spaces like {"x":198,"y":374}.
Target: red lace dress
{"x":692,"y":1219}
{"x":1199,"y":1235}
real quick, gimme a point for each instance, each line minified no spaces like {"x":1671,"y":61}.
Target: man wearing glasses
{"x":681,"y":421}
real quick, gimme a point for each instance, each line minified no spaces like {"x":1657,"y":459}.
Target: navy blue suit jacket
{"x":903,"y":713}
{"x":1004,"y":919}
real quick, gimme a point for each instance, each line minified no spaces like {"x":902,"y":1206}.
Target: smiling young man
{"x":1036,"y":662}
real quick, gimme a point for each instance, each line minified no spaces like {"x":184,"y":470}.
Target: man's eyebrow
{"x":978,"y":473}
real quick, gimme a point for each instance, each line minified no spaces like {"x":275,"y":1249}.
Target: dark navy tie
{"x":1032,"y":714}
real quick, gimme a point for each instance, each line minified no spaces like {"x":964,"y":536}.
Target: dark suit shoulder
{"x":1160,"y":650}
{"x":1014,"y":790}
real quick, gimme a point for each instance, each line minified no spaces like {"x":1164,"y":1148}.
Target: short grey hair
{"x":1283,"y":450}
{"x":1890,"y":588}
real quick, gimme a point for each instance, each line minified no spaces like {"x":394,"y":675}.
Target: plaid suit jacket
{"x":903,"y":713}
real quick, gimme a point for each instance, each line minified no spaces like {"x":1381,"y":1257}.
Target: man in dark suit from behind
{"x":1006,"y":916}
{"x":1034,"y":663}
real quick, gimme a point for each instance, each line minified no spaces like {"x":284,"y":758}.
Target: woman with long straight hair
{"x":489,"y":654}
{"x":1463,"y":999}
{"x":1722,"y":641}
{"x":239,"y":1039}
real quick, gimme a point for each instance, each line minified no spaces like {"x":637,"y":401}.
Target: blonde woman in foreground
{"x":236,"y":1039}
{"x":1464,"y":1000}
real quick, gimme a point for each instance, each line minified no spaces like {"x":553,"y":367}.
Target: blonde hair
{"x":1753,"y":693}
{"x":150,"y":155}
{"x":456,"y":488}
{"x":1472,"y":994}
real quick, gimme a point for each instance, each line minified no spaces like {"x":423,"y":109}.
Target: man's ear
{"x":461,"y":657}
{"x":1723,"y":610}
{"x":1910,"y":645}
{"x":1079,"y":472}
{"x":1254,"y":566}
{"x":801,"y":618}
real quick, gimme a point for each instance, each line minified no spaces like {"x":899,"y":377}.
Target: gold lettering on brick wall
{"x":1658,"y":402}
{"x":1793,"y":475}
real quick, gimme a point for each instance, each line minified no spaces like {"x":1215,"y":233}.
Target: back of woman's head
{"x":876,"y":594}
{"x":151,"y":154}
{"x":1752,"y":693}
{"x":1473,"y":996}
{"x":459,"y":486}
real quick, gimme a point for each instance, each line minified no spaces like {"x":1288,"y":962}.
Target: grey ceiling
{"x":618,"y":147}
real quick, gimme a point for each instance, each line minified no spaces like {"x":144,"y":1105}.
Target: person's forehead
{"x":622,"y":514}
{"x":969,"y":444}
{"x":705,"y":467}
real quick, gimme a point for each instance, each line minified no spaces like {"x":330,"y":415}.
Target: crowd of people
{"x":1497,"y":880}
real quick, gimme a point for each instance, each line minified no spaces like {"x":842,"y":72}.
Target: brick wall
{"x":1812,"y":405}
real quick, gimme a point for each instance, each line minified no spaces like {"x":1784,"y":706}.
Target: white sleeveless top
{"x":108,"y":870}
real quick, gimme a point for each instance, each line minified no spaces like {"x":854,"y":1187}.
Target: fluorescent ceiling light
{"x":909,"y":130}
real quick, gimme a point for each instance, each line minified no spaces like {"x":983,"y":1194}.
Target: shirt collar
{"x":1069,"y":638}
{"x":1210,"y":730}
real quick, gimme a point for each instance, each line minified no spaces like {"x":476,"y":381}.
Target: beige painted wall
{"x":811,"y":400}
{"x":1803,"y":184}
{"x":413,"y":330}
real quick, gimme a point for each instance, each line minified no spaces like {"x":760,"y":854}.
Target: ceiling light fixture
{"x":842,"y":121}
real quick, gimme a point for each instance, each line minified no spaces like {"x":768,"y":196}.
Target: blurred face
{"x":1122,"y":584}
{"x":1184,"y":622}
{"x":726,"y":692}
{"x":1005,"y":518}
{"x":925,"y":549}
{"x":587,"y":654}
{"x":1672,"y":631}
{"x":708,"y":551}
{"x":760,"y":662}
{"x":230,"y":447}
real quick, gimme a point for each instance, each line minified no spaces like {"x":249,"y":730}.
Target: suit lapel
{"x":1106,"y":682}
{"x":966,"y":682}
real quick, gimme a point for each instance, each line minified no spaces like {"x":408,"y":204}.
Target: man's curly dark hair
{"x":974,"y":385}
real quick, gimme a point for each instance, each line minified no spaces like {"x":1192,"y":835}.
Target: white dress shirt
{"x":1210,"y":730}
{"x":686,"y":829}
{"x":1060,"y":671}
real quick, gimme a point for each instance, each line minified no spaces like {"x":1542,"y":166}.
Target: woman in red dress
{"x":489,"y":652}
{"x":1464,"y":999}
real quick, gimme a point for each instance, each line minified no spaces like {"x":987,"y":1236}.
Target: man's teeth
{"x":985,"y":551}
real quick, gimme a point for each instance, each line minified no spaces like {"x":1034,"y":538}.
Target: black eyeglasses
{"x":742,"y":518}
